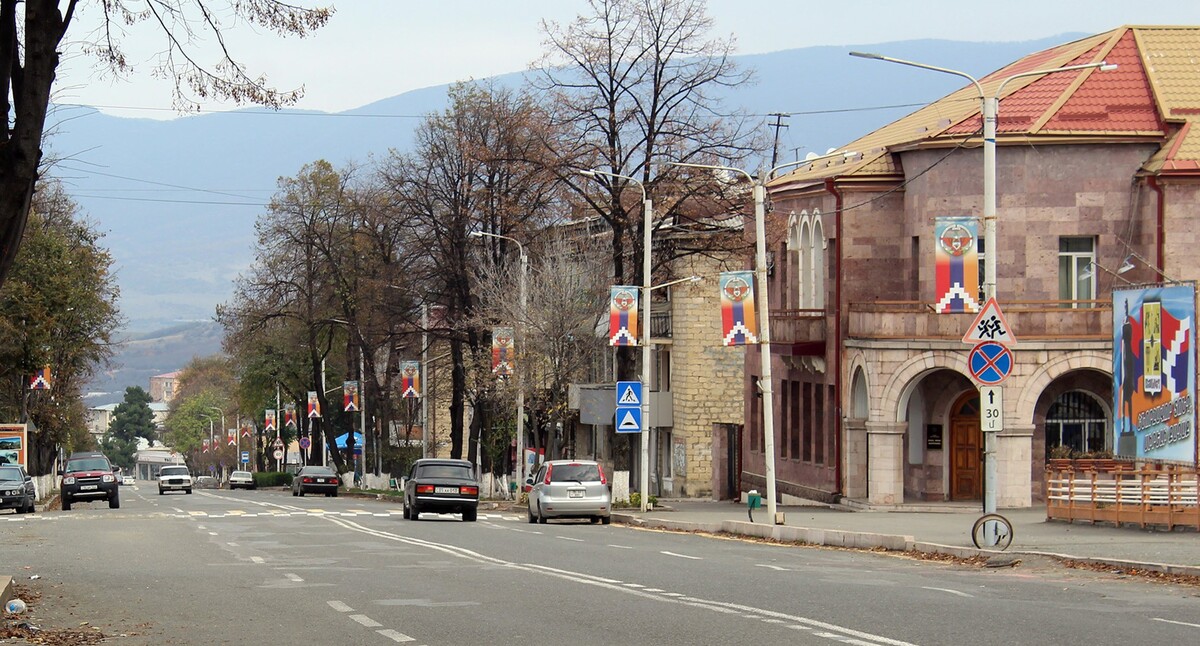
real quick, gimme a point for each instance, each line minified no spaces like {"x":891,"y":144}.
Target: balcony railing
{"x":798,"y":326}
{"x":660,"y":324}
{"x":1029,"y":320}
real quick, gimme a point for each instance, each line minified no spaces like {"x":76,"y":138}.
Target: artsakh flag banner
{"x":205,"y":444}
{"x":410,"y":379}
{"x":350,"y":396}
{"x":246,"y":432}
{"x":957,"y":256}
{"x":42,"y":379}
{"x":231,"y":436}
{"x":289,"y":415}
{"x":1154,"y":373}
{"x":269,"y":419}
{"x":739,"y":326}
{"x":314,"y":405}
{"x":623,"y":315}
{"x":502,"y":351}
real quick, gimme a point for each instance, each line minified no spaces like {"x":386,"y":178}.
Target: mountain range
{"x":178,"y":199}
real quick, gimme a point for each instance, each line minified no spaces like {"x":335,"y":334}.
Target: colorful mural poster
{"x":289,"y":415}
{"x":738,"y":323}
{"x":269,"y":419}
{"x":623,"y":315}
{"x":314,"y":405}
{"x":12,"y":444}
{"x":1154,"y":373}
{"x":502,"y":351}
{"x":957,"y":271}
{"x":350,"y":402}
{"x":410,"y":379}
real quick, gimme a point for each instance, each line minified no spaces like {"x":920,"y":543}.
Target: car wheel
{"x":529,"y":512}
{"x":334,"y":494}
{"x":295,"y":493}
{"x":595,"y":519}
{"x":188,"y":491}
{"x":114,"y":502}
{"x":541,"y":516}
{"x":470,"y":515}
{"x":301,"y":492}
{"x":606,"y":520}
{"x":414,"y":513}
{"x":66,"y":503}
{"x":32,"y":507}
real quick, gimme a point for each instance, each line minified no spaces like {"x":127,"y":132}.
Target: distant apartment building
{"x":162,"y":387}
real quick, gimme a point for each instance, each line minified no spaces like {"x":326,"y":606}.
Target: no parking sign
{"x":990,"y":363}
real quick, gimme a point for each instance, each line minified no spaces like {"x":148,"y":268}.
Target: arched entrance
{"x":966,"y":449}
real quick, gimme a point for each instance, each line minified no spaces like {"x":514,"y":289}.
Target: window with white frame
{"x":816,"y":257}
{"x":1076,"y":274}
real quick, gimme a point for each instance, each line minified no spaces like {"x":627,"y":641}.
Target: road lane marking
{"x":232,"y":544}
{"x":339,"y":606}
{"x":294,"y":577}
{"x":366,"y":621}
{"x":395,"y":636}
{"x":948,"y":590}
{"x":682,"y":556}
{"x":257,"y":559}
{"x":621,"y":547}
{"x":568,"y":538}
{"x":1168,"y":621}
{"x":844,"y":639}
{"x":841,"y":633}
{"x":212,"y":533}
{"x":773,"y":567}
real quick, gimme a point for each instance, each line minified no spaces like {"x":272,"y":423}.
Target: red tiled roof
{"x":1154,"y":94}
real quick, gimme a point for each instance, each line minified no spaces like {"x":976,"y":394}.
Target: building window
{"x":982,"y":251}
{"x":1076,"y":281}
{"x":816,"y":256}
{"x":1077,"y":421}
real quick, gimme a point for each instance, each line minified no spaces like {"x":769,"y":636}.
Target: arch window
{"x":1077,"y":421}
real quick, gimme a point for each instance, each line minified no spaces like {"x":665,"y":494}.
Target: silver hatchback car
{"x":569,"y":489}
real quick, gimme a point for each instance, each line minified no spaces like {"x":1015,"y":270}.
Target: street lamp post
{"x":764,"y":312}
{"x":647,"y":222}
{"x":989,"y":111}
{"x":519,"y":467}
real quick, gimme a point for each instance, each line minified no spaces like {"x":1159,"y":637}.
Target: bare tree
{"x":634,"y":82}
{"x":32,"y":32}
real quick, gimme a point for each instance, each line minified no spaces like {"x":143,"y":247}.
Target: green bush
{"x":635,"y":500}
{"x":272,"y":479}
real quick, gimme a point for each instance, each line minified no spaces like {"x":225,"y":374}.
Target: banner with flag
{"x":739,"y":325}
{"x":1154,"y":373}
{"x":957,"y":271}
{"x":42,"y":379}
{"x":314,"y":405}
{"x":269,"y":420}
{"x":623,"y":315}
{"x":246,"y":430}
{"x":204,"y":443}
{"x":289,"y":415}
{"x":231,"y":436}
{"x":502,"y":351}
{"x":410,"y":379}
{"x":350,"y":401}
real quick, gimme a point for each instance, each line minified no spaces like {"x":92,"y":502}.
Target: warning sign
{"x":990,"y":326}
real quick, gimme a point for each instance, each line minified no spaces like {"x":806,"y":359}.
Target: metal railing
{"x":1090,"y":320}
{"x":1116,"y":492}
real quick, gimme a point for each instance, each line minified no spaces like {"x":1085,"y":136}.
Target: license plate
{"x":445,"y":489}
{"x":87,"y":487}
{"x":320,"y":480}
{"x":575,"y":493}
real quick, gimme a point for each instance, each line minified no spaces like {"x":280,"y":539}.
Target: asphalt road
{"x":224,"y":567}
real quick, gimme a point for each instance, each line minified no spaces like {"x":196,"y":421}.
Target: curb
{"x":871,"y":540}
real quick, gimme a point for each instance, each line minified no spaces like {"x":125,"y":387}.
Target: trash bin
{"x":753,"y":501}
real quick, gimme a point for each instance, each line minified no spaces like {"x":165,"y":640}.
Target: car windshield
{"x":10,"y":473}
{"x":575,"y":473}
{"x":88,"y":464}
{"x":444,"y":471}
{"x":316,"y":471}
{"x":173,"y":471}
{"x":241,"y":474}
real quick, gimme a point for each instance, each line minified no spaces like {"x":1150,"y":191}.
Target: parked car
{"x":569,"y":489}
{"x":315,"y":479}
{"x":125,"y":478}
{"x":174,"y":477}
{"x":441,"y":486}
{"x":89,"y":476}
{"x":206,"y":482}
{"x":16,"y":489}
{"x":241,"y":480}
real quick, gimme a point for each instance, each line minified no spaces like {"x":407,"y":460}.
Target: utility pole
{"x":778,"y":125}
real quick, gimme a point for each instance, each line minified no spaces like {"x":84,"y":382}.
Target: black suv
{"x":89,"y":476}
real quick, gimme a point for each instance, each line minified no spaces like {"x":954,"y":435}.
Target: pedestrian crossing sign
{"x":629,"y":393}
{"x":629,"y":407}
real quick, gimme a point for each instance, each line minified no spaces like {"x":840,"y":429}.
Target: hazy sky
{"x":374,"y":49}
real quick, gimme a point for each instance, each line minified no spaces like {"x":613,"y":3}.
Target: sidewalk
{"x":943,"y":532}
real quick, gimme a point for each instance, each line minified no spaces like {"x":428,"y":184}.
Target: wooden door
{"x":966,"y":442}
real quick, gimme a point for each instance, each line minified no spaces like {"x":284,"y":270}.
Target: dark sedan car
{"x":441,"y":486}
{"x":16,"y":489}
{"x":315,"y":479}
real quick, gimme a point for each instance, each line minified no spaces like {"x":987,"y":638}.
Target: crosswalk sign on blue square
{"x":629,"y":407}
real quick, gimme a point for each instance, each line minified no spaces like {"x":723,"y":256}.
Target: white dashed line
{"x":568,"y":538}
{"x":395,"y":636}
{"x":682,"y":556}
{"x":773,"y":567}
{"x":844,"y":639}
{"x":366,"y":621}
{"x":212,"y":533}
{"x":257,"y":559}
{"x":1180,"y":623}
{"x":621,"y":547}
{"x":232,"y":544}
{"x":294,"y":577}
{"x":947,"y":590}
{"x":339,"y":606}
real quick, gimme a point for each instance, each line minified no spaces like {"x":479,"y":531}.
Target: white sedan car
{"x":241,"y":480}
{"x":175,"y":477}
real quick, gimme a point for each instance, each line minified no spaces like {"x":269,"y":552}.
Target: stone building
{"x":1096,"y":170}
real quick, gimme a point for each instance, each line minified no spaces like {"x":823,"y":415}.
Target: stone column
{"x":885,"y":467}
{"x":1014,"y":468}
{"x":854,"y":459}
